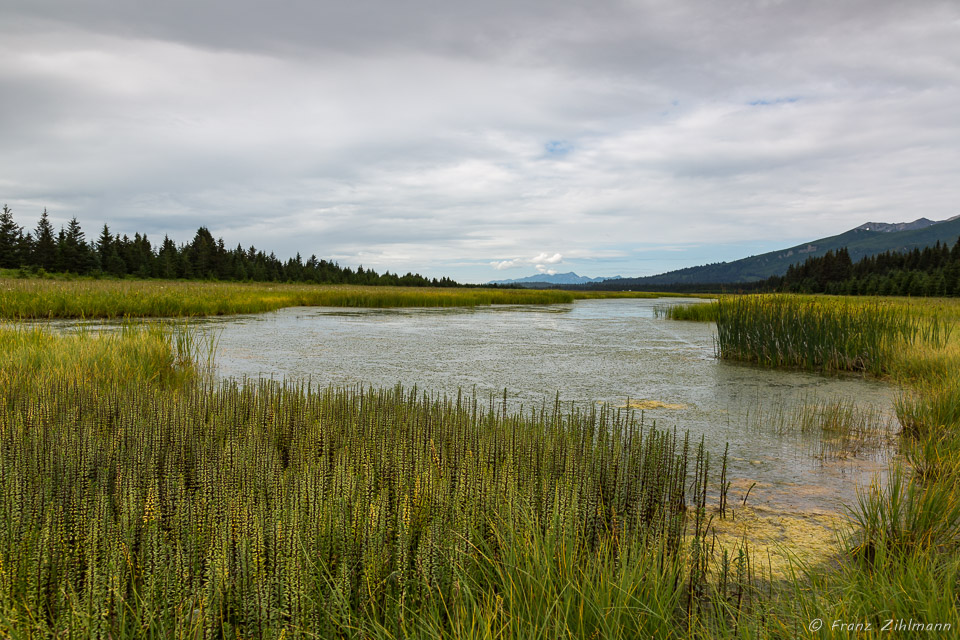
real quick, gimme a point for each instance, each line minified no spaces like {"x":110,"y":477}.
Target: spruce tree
{"x":44,"y":245}
{"x":74,"y":253}
{"x":11,"y":239}
{"x":110,"y":260}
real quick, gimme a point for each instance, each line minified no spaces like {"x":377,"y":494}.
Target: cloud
{"x":539,"y":262}
{"x":460,"y":140}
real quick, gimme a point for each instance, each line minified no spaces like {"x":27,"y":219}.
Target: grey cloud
{"x":416,"y":135}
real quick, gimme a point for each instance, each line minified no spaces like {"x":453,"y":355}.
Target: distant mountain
{"x":887,"y":227}
{"x":866,"y":240}
{"x":557,"y":278}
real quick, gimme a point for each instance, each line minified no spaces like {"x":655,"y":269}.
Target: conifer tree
{"x":74,"y":253}
{"x":11,"y":240}
{"x":44,"y":244}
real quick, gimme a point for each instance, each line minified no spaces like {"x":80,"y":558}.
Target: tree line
{"x":42,"y":249}
{"x":931,"y":271}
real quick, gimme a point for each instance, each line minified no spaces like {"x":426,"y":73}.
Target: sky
{"x":482,"y":140}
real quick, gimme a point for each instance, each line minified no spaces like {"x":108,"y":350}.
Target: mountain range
{"x":557,"y":278}
{"x":868,"y":239}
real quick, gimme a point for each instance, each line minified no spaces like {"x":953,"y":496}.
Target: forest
{"x":931,"y":271}
{"x":44,"y":250}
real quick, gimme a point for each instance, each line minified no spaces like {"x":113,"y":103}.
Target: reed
{"x":38,"y":298}
{"x":822,"y":335}
{"x":700,"y":312}
{"x":901,"y":557}
{"x":840,"y":427}
{"x":160,"y":505}
{"x":35,"y":356}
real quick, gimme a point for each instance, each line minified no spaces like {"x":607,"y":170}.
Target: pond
{"x":595,"y":351}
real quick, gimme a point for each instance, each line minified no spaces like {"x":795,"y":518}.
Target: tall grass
{"x":270,"y":510}
{"x":134,"y":505}
{"x":700,"y":312}
{"x":34,"y":356}
{"x":33,"y":298}
{"x":42,"y":298}
{"x":825,"y":335}
{"x":901,"y":570}
{"x":841,"y":427}
{"x":902,"y":553}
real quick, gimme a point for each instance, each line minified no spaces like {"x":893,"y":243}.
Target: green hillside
{"x":859,"y":243}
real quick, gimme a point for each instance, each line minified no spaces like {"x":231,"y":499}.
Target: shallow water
{"x":591,"y":351}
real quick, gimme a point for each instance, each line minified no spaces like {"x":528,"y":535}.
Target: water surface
{"x":588,"y":352}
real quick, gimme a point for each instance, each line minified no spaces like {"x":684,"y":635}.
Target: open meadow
{"x":112,"y":298}
{"x":139,"y":497}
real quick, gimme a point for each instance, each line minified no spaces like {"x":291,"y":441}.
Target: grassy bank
{"x":138,"y":500}
{"x":36,"y":357}
{"x":902,"y":553}
{"x":702,"y":312}
{"x":33,"y":298}
{"x":825,"y":335}
{"x":144,"y":510}
{"x":87,"y":298}
{"x":148,"y":503}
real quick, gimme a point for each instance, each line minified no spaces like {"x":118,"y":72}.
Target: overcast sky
{"x":482,"y":140}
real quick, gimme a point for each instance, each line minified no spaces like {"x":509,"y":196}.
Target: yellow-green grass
{"x":87,"y":298}
{"x":34,"y":356}
{"x":606,"y":295}
{"x":827,"y":334}
{"x":264,"y":510}
{"x":267,"y":510}
{"x":700,"y":312}
{"x":902,"y":555}
{"x":138,"y":501}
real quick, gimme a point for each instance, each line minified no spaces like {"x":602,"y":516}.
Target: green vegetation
{"x":22,"y":298}
{"x":901,"y":554}
{"x":932,"y":271}
{"x":904,"y":550}
{"x":140,"y":509}
{"x":41,"y":252}
{"x":34,"y":298}
{"x":843,"y":428}
{"x":36,"y":357}
{"x":139,"y":500}
{"x":825,"y":335}
{"x":704,"y":312}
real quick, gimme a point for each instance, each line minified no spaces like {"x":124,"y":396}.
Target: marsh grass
{"x":902,"y":559}
{"x":901,"y":572}
{"x":699,"y":312}
{"x":35,"y":356}
{"x":132,"y":509}
{"x":154,"y":298}
{"x":80,"y":298}
{"x":821,"y":335}
{"x":149,"y":505}
{"x":840,"y":427}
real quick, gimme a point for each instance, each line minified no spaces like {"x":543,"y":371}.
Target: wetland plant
{"x":132,"y":509}
{"x":697,"y":312}
{"x":820,"y":334}
{"x":37,"y":298}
